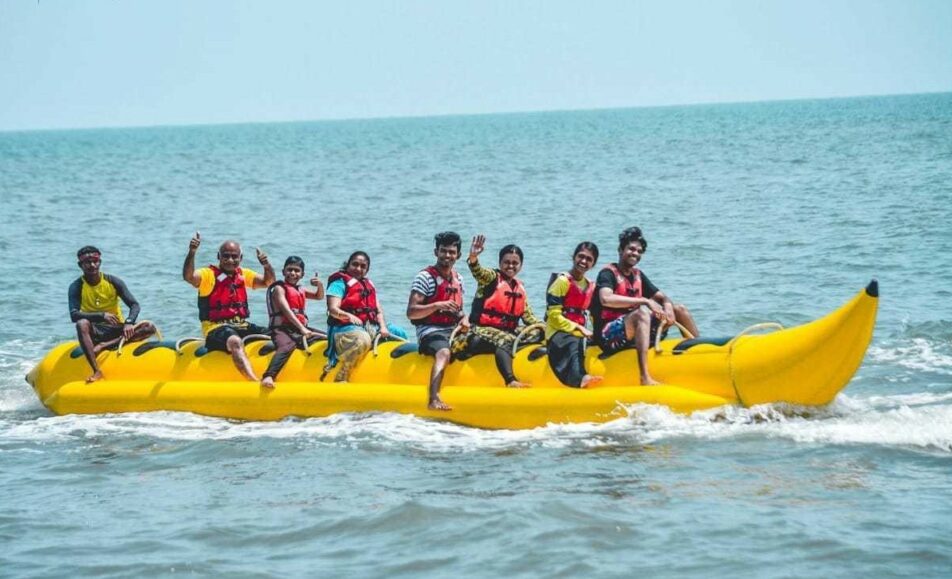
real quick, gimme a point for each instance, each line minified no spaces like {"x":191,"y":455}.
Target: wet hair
{"x":511,"y":248}
{"x":588,"y":246}
{"x":351,"y":258}
{"x":448,"y":238}
{"x":294,"y":260}
{"x":631,"y":235}
{"x":86,"y":250}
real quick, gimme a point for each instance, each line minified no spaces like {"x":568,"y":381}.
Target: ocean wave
{"x":919,"y":354}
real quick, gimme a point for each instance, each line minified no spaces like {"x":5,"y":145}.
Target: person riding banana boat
{"x":94,"y":308}
{"x":567,"y":301}
{"x":223,"y":299}
{"x":435,"y":307}
{"x":501,"y":302}
{"x":354,"y":316}
{"x":628,"y":307}
{"x":287,"y":315}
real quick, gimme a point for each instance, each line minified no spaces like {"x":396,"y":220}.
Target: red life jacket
{"x":228,"y":299}
{"x":360,"y":299}
{"x":445,"y":290}
{"x":296,"y":301}
{"x":623,"y":287}
{"x":576,"y":301}
{"x":501,"y":305}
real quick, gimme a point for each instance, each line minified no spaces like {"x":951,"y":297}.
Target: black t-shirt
{"x":606,"y":278}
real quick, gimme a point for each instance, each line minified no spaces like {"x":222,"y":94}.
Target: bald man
{"x":223,"y":299}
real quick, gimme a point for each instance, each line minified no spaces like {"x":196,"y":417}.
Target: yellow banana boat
{"x":804,"y":365}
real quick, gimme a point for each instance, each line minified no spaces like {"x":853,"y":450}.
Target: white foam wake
{"x":921,"y":421}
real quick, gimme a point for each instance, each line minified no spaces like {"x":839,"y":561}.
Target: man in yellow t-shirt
{"x":223,"y":299}
{"x":94,"y":308}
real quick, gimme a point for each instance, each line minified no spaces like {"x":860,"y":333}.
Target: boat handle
{"x":182,"y":341}
{"x":122,"y":340}
{"x":525,"y":330}
{"x":685,"y":333}
{"x":254,"y":337}
{"x":377,"y":341}
{"x":755,"y":328}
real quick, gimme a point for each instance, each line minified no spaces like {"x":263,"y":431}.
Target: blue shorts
{"x":613,"y":335}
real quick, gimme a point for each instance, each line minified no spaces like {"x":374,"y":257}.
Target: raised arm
{"x":318,"y":292}
{"x":188,"y":268}
{"x":263,"y":281}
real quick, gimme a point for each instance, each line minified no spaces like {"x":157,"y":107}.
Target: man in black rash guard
{"x":627,"y":307}
{"x":94,"y":308}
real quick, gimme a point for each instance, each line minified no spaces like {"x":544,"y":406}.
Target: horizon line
{"x":461,"y":114}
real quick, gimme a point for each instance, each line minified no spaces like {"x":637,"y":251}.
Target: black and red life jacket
{"x":360,"y":299}
{"x":446,"y":289}
{"x":228,"y":300}
{"x":576,"y":301}
{"x":296,"y":301}
{"x":623,"y":287}
{"x":501,"y":305}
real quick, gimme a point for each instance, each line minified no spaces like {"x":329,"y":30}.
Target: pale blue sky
{"x":71,"y":63}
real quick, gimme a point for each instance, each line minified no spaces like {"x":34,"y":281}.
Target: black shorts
{"x":435,"y":341}
{"x":218,"y":338}
{"x":103,"y":332}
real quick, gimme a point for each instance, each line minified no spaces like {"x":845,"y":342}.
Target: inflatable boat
{"x":803,"y":365}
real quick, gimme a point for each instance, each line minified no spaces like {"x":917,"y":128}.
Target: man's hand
{"x":128,"y":330}
{"x":111,"y":319}
{"x":586,"y":332}
{"x":384,"y":332}
{"x":464,"y":325}
{"x":316,"y":280}
{"x":195,"y":242}
{"x":262,"y":256}
{"x":447,"y":306}
{"x":656,"y":309}
{"x":669,"y":316}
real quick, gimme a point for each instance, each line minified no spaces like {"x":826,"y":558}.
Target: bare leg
{"x":440,"y":362}
{"x":142,"y":331}
{"x":685,"y":318}
{"x":84,"y":334}
{"x":240,"y":358}
{"x":641,"y":318}
{"x":106,"y":345}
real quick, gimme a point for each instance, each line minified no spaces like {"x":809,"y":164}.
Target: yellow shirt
{"x":101,"y":297}
{"x":206,"y":286}
{"x":555,"y":321}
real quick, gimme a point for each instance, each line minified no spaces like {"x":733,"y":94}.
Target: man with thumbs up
{"x":223,"y":299}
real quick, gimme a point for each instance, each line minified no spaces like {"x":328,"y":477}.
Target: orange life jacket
{"x":296,"y":301}
{"x":623,"y":287}
{"x":576,"y":301}
{"x":501,"y":305}
{"x":360,"y":299}
{"x":446,"y":289}
{"x":228,"y":300}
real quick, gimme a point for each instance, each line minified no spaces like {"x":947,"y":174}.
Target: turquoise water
{"x":753,"y":212}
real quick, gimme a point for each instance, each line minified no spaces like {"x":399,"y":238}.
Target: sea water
{"x":755,"y":212}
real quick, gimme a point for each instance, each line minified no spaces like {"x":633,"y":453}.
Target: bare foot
{"x":267,"y":382}
{"x":97,"y":375}
{"x":437,"y":404}
{"x":97,"y":349}
{"x":589,"y":381}
{"x":649,"y":381}
{"x":518,"y":384}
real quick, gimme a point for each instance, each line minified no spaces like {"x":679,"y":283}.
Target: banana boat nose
{"x":808,"y":364}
